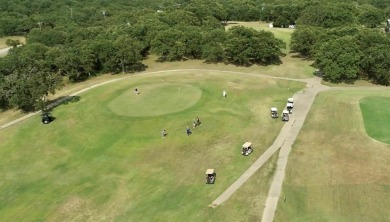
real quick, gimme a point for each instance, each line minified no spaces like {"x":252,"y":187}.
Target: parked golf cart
{"x":47,"y":118}
{"x":290,"y":105}
{"x":285,"y":116}
{"x":210,"y":176}
{"x":247,"y":149}
{"x":274,"y":112}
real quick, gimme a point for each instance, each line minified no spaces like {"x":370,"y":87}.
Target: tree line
{"x":81,"y":39}
{"x":172,"y":33}
{"x":342,"y":50}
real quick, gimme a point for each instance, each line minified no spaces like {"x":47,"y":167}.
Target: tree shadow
{"x":62,"y":100}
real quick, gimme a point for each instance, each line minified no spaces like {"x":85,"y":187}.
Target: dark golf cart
{"x":47,"y":118}
{"x":247,"y":149}
{"x":210,"y":176}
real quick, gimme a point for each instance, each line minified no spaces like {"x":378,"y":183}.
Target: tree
{"x":376,"y":64}
{"x":28,"y":78}
{"x":246,"y":46}
{"x":213,"y":46}
{"x":128,"y":55}
{"x":370,"y":16}
{"x":13,"y":42}
{"x":339,"y":59}
{"x":168,"y":45}
{"x":304,"y":39}
{"x":326,"y":16}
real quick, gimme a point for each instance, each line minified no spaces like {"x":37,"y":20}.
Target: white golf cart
{"x":210,"y":176}
{"x":247,"y":149}
{"x":274,"y":112}
{"x":290,"y":105}
{"x":285,"y":116}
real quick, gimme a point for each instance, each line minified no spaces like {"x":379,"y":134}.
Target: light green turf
{"x":336,"y":172}
{"x":92,"y":164}
{"x":376,"y":115}
{"x":155,"y":99}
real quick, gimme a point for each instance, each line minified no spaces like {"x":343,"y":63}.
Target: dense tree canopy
{"x":79,"y":39}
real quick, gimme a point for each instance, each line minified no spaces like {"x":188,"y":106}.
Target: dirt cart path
{"x":303,"y":101}
{"x":302,"y":104}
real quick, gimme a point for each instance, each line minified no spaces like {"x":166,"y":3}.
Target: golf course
{"x":103,"y":158}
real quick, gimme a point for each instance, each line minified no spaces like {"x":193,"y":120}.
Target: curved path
{"x":58,"y":102}
{"x":303,"y":101}
{"x":290,"y":131}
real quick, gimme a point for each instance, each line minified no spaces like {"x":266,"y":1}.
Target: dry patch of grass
{"x":3,"y":39}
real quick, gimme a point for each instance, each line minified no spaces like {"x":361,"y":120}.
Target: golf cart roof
{"x":285,"y":112}
{"x":247,"y":144}
{"x":290,"y":100}
{"x":274,"y":109}
{"x":210,"y":171}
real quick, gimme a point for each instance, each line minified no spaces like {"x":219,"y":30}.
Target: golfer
{"x":224,"y":93}
{"x":163,"y":133}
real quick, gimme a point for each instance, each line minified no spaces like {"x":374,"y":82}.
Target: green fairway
{"x":335,"y":171}
{"x":156,"y":99}
{"x":101,"y":161}
{"x":376,"y":115}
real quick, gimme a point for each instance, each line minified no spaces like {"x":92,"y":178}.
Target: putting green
{"x":155,"y":99}
{"x":376,"y":116}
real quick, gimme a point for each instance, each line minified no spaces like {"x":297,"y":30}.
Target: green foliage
{"x":370,"y":16}
{"x":12,"y":42}
{"x":213,"y":46}
{"x":48,"y":37}
{"x":27,"y":77}
{"x":246,"y":46}
{"x":326,"y":16}
{"x":281,"y":15}
{"x":305,"y":39}
{"x":339,"y":59}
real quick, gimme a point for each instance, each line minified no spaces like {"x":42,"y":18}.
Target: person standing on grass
{"x":136,"y":91}
{"x":197,"y":121}
{"x":224,"y":94}
{"x":188,"y":131}
{"x":163,"y":133}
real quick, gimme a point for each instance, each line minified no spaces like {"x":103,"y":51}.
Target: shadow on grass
{"x":62,"y":100}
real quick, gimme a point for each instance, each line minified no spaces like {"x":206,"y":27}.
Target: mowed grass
{"x":92,"y":164}
{"x":156,"y":99}
{"x":376,"y":115}
{"x":336,"y":172}
{"x":4,"y":39}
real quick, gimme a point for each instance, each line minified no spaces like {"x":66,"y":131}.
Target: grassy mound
{"x":156,"y":99}
{"x":376,"y":116}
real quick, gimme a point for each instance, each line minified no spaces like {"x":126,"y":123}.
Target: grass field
{"x":103,"y":158}
{"x":95,"y":163}
{"x":376,"y":115}
{"x":3,"y":39}
{"x":336,"y":172}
